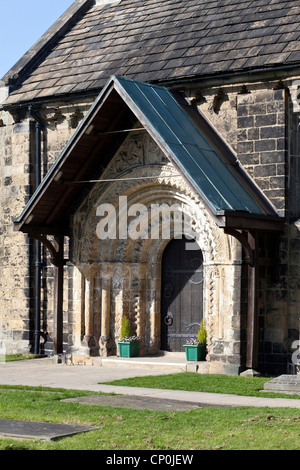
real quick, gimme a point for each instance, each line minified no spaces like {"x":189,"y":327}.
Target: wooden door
{"x":182,"y":294}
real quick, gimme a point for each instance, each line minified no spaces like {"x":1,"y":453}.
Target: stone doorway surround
{"x":117,"y":277}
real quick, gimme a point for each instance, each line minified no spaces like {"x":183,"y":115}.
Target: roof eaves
{"x":237,"y":74}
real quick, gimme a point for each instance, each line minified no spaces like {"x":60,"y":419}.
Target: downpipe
{"x":37,"y":244}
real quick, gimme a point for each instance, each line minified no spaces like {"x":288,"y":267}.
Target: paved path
{"x":42,"y":372}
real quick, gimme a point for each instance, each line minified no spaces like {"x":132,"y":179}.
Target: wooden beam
{"x":251,"y":222}
{"x":252,"y":319}
{"x":249,"y":241}
{"x":44,"y":230}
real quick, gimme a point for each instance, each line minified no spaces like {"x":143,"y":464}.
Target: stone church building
{"x":150,"y":168}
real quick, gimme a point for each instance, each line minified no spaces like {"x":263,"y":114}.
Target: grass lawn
{"x":211,"y":383}
{"x":210,"y":428}
{"x":19,"y":357}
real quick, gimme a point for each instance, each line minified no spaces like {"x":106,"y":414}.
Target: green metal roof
{"x":188,"y":141}
{"x":195,"y":157}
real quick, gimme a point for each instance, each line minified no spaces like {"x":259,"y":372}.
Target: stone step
{"x":168,"y":362}
{"x":143,"y":363}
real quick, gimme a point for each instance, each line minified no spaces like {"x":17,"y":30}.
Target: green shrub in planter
{"x":126,"y":330}
{"x":202,"y":334}
{"x":129,"y":343}
{"x":195,"y":348}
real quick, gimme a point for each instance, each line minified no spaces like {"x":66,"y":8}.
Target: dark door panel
{"x":182,"y":294}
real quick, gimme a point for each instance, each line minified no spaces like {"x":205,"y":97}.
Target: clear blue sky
{"x":22,"y":23}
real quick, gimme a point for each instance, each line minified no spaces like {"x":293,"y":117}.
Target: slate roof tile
{"x":287,"y":37}
{"x":150,"y":40}
{"x":292,"y":46}
{"x":295,"y":56}
{"x":272,"y":48}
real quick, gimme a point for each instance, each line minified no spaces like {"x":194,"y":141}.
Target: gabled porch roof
{"x":184,"y":135}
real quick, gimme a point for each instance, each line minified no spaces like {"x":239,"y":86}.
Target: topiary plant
{"x":126,"y":331}
{"x":202,"y":333}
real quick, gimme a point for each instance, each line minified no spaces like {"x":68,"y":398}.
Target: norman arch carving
{"x":127,"y":270}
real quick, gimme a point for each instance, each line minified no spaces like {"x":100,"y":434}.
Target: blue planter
{"x":128,"y":349}
{"x":195,"y":352}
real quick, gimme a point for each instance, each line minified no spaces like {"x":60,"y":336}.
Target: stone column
{"x":58,"y":297}
{"x":105,"y":315}
{"x":89,"y":340}
{"x":88,"y":305}
{"x":141,"y":320}
{"x":153,"y":296}
{"x":78,"y":303}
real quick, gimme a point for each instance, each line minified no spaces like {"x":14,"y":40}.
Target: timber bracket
{"x":250,"y":254}
{"x":55,"y":248}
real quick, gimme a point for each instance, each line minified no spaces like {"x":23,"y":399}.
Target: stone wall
{"x":258,"y":121}
{"x":15,"y":276}
{"x":17,"y":151}
{"x":262,"y":149}
{"x":254,"y":120}
{"x":261,"y":142}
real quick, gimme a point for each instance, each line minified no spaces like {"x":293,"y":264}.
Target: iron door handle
{"x":169,"y":320}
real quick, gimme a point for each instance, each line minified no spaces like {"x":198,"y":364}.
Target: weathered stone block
{"x":243,"y":110}
{"x":257,"y":108}
{"x":244,"y":122}
{"x":245,"y":147}
{"x":265,"y":145}
{"x":264,"y":171}
{"x":272,"y":157}
{"x":253,"y":134}
{"x":272,"y":132}
{"x":266,"y":120}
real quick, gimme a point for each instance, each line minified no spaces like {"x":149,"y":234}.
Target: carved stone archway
{"x":126,"y":272}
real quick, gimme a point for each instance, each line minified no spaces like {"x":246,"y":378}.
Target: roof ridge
{"x":30,"y":58}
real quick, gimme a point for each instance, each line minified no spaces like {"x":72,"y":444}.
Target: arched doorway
{"x":181,"y":294}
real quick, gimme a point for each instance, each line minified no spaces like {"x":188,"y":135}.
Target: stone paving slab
{"x":284,"y":384}
{"x":45,"y":373}
{"x":35,"y":430}
{"x":140,"y":403}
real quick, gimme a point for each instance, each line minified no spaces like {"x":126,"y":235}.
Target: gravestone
{"x":17,"y":429}
{"x":284,"y":384}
